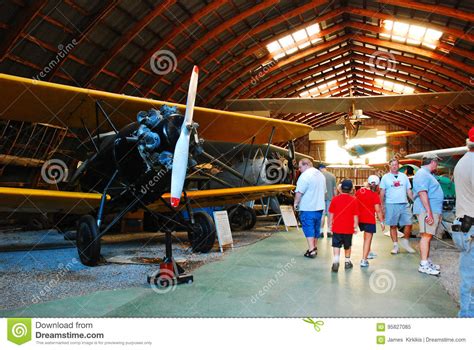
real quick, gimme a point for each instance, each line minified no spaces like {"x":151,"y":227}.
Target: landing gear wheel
{"x":88,"y":241}
{"x":242,"y":218}
{"x":203,"y":234}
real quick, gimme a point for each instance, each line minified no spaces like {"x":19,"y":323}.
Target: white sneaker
{"x":394,"y":251}
{"x":406,"y":245}
{"x":434,"y":266}
{"x":371,"y":255}
{"x":428,"y":270}
{"x":364,"y":263}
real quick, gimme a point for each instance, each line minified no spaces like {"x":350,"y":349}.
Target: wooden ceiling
{"x":112,"y":45}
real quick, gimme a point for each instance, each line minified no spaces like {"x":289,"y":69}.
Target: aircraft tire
{"x":204,"y":233}
{"x":253,"y":221}
{"x":88,"y":241}
{"x":242,"y":218}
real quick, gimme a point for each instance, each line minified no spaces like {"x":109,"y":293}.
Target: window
{"x":395,"y":87}
{"x":320,"y":89}
{"x":410,"y":34}
{"x":295,"y":41}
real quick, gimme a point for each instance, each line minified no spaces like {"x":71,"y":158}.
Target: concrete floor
{"x":271,"y":278}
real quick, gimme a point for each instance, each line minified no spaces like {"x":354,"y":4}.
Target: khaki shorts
{"x":424,"y":227}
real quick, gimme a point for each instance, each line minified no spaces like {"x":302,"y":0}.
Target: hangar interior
{"x":244,"y":50}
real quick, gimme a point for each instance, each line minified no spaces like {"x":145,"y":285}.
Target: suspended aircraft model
{"x":355,"y":105}
{"x":343,"y":104}
{"x":444,"y":152}
{"x":137,"y":162}
{"x":359,"y":150}
{"x":352,"y":121}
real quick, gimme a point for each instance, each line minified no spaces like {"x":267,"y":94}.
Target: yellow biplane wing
{"x":68,"y":106}
{"x":26,"y":200}
{"x":217,"y":197}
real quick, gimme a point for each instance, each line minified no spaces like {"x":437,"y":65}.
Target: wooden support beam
{"x":25,"y":17}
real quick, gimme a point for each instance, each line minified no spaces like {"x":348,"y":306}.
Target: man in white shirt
{"x":309,"y":201}
{"x":464,"y":234}
{"x":395,"y":189}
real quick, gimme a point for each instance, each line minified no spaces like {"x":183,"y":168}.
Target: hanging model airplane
{"x":360,"y":150}
{"x":343,"y":104}
{"x":138,"y":161}
{"x":444,"y":152}
{"x":359,"y":103}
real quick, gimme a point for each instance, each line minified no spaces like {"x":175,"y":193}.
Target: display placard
{"x":224,"y":233}
{"x":288,"y":216}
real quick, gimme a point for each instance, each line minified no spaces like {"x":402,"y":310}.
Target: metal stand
{"x":170,"y":272}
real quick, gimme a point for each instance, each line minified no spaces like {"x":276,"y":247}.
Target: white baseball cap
{"x":373,"y":179}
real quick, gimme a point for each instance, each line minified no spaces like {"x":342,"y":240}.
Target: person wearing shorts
{"x":309,"y":201}
{"x":428,"y":206}
{"x":369,"y":205}
{"x":343,"y":216}
{"x":395,"y":190}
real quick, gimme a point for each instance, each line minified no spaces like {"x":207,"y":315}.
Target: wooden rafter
{"x":232,"y":44}
{"x":126,"y":38}
{"x":212,"y":35}
{"x":438,"y":9}
{"x":25,"y":17}
{"x":355,"y":25}
{"x":369,"y":84}
{"x":179,"y":29}
{"x":362,"y":38}
{"x":90,"y":25}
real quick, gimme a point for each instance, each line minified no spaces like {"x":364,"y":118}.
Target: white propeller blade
{"x":181,"y":152}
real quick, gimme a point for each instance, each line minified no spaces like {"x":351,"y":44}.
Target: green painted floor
{"x":272,"y":279}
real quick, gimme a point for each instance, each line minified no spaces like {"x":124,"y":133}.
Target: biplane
{"x":354,"y":106}
{"x":143,"y":151}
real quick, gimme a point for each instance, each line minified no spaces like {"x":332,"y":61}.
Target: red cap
{"x":174,"y":202}
{"x":196,"y":69}
{"x":471,"y":134}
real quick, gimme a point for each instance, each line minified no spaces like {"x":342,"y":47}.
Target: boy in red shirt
{"x":343,"y":214}
{"x":369,"y":204}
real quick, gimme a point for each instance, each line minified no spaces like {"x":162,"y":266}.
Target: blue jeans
{"x":311,"y":223}
{"x":466,"y":270}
